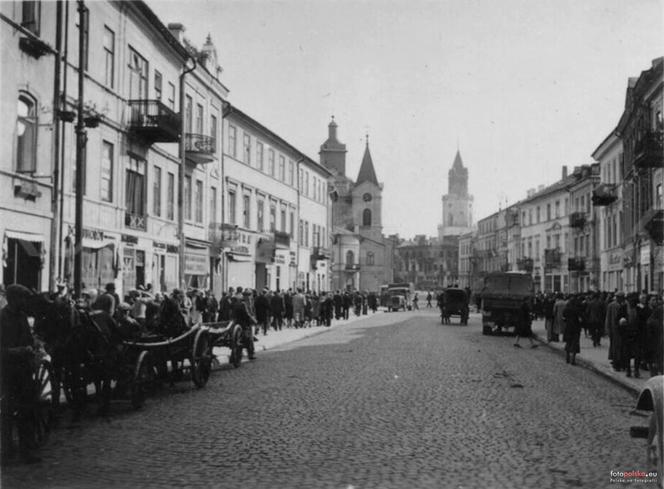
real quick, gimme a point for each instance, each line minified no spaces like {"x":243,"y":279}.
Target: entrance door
{"x":261,"y":276}
{"x":23,"y":263}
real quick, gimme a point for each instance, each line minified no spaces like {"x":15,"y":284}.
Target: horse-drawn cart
{"x":227,"y":334}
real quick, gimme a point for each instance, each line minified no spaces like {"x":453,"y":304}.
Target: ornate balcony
{"x":605,"y":194}
{"x":552,"y":258}
{"x":649,"y":151}
{"x":321,"y":253}
{"x":352,"y":267}
{"x":153,"y":121}
{"x":223,"y":235}
{"x":577,"y":220}
{"x":576,"y":264}
{"x":525,"y":264}
{"x":200,"y":148}
{"x":282,"y":239}
{"x":653,"y":223}
{"x":136,"y":221}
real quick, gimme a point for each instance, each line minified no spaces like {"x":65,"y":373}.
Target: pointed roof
{"x":458,"y":163}
{"x":367,"y":171}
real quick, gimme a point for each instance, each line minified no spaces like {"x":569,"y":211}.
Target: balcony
{"x":576,"y":264}
{"x":552,"y":258}
{"x":577,"y":220}
{"x":200,"y":149}
{"x":653,"y":223}
{"x":648,"y":151}
{"x":604,"y":194}
{"x":223,"y":235}
{"x":352,"y":267}
{"x":320,"y":253}
{"x":525,"y":264}
{"x":282,"y":239}
{"x":153,"y":121}
{"x":136,"y":221}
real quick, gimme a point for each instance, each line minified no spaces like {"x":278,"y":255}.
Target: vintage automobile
{"x":400,"y":296}
{"x":506,"y":300}
{"x":397,"y":302}
{"x":651,"y":400}
{"x":454,"y":302}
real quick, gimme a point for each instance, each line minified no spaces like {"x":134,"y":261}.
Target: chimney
{"x":564,"y":172}
{"x":177,"y":30}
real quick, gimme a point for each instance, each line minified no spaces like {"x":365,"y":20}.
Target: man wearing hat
{"x":262,"y":306}
{"x":241,"y":314}
{"x":615,"y":311}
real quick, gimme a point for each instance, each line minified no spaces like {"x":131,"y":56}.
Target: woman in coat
{"x":572,"y":315}
{"x":558,"y":318}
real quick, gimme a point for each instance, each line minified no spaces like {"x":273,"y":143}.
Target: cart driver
{"x":241,"y":314}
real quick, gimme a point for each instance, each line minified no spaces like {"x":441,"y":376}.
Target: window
{"x":170,"y":202}
{"x":537,"y":212}
{"x":306,"y":233}
{"x":232,"y":135}
{"x":370,"y":258}
{"x":246,"y":147}
{"x":260,"y":209}
{"x":86,"y":36}
{"x":156,"y":192}
{"x":270,"y":162}
{"x":282,"y":219}
{"x":315,"y":235}
{"x":557,"y":208}
{"x":26,"y":135}
{"x":158,"y":82}
{"x":530,"y":217}
{"x":231,"y":207}
{"x":292,"y":224}
{"x":30,"y":16}
{"x":300,"y":232}
{"x":273,"y":217}
{"x":213,"y":130}
{"x":138,"y":76}
{"x":135,"y":187}
{"x":291,"y":172}
{"x":246,"y":211}
{"x":282,"y":168}
{"x":109,"y":58}
{"x":187,"y":198}
{"x":188,"y":114}
{"x":106,"y":171}
{"x":213,"y":205}
{"x":658,"y":196}
{"x":548,"y":212}
{"x":259,"y":155}
{"x":199,"y":118}
{"x":366,"y":217}
{"x":350,"y":258}
{"x":198,"y":199}
{"x":84,"y":163}
{"x":171,"y":96}
{"x":306,"y":184}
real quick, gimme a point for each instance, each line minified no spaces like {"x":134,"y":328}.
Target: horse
{"x":81,"y":346}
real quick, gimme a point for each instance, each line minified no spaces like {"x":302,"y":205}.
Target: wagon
{"x":454,"y":302}
{"x":157,"y":358}
{"x":227,"y":334}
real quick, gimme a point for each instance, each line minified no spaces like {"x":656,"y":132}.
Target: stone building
{"x":362,"y":256}
{"x":457,"y":203}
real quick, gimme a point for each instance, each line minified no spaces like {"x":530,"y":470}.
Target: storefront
{"x":240,"y":269}
{"x":197,"y":264}
{"x":164,"y":266}
{"x":23,"y":258}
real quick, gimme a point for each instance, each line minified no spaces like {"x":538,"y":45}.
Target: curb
{"x":588,"y":365}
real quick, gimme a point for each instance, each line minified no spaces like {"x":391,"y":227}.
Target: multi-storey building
{"x":607,"y":200}
{"x":30,"y":117}
{"x":641,"y":129}
{"x":467,"y":260}
{"x":275,"y":228}
{"x":429,"y":263}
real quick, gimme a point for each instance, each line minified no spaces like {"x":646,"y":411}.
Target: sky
{"x":519,"y":87}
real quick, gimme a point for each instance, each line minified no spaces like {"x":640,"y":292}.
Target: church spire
{"x":367,"y":172}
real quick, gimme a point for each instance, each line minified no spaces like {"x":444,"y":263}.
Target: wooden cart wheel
{"x":142,"y":381}
{"x":42,"y":411}
{"x":236,"y":346}
{"x":201,"y":360}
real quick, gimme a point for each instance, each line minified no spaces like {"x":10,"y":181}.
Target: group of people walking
{"x":632,"y":323}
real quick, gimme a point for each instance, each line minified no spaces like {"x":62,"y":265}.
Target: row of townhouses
{"x":601,"y":226}
{"x":180,"y":188}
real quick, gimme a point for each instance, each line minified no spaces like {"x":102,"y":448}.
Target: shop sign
{"x":240,"y":249}
{"x":195,"y":264}
{"x":280,"y":260}
{"x":172,"y":249}
{"x":645,"y":255}
{"x":159,"y":246}
{"x":95,"y":234}
{"x":128,"y":238}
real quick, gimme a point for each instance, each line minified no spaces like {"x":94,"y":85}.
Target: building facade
{"x":457,"y":203}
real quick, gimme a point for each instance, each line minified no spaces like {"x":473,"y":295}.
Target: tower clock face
{"x":367,"y":197}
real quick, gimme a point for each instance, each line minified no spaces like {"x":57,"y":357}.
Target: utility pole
{"x":81,"y":141}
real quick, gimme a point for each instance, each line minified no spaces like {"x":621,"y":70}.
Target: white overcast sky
{"x":524,"y":86}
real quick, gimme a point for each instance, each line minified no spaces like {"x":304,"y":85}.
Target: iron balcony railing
{"x":577,"y":220}
{"x":153,"y":121}
{"x":200,"y":148}
{"x":136,"y":221}
{"x":649,"y":151}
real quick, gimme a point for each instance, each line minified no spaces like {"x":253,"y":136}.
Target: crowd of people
{"x":632,"y":323}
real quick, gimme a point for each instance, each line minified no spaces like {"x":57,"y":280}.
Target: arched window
{"x":370,"y":258}
{"x":366,"y":217}
{"x":350,"y":258}
{"x":26,"y":134}
{"x":451,"y":220}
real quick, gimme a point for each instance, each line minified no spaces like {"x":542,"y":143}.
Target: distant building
{"x":362,"y":256}
{"x":457,"y":203}
{"x":429,"y":263}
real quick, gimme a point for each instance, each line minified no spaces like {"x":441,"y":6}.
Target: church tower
{"x":333,"y":153}
{"x":368,"y":198}
{"x":457,"y":203}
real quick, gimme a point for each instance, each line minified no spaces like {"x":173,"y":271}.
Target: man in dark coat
{"x":288,"y":308}
{"x":338,"y":305}
{"x":17,"y":361}
{"x":326,"y":306}
{"x":225,"y":306}
{"x":262,"y":306}
{"x":347,"y":303}
{"x":595,"y":315}
{"x":241,"y":314}
{"x":277,"y":310}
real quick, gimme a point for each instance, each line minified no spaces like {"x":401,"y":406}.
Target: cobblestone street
{"x":391,"y":401}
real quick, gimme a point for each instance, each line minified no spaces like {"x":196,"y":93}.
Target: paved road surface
{"x":393,"y":401}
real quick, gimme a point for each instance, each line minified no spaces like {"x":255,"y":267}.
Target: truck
{"x":505,"y":301}
{"x":400,"y":296}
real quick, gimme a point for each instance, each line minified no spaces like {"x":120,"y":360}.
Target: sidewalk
{"x":274,"y":339}
{"x":593,"y":358}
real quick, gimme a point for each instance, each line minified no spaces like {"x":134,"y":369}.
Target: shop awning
{"x":97,"y":244}
{"x":31,"y":237}
{"x":239,"y":257}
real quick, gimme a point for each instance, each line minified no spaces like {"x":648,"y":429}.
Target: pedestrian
{"x":558,"y":318}
{"x":415,"y":299}
{"x":524,"y":326}
{"x":573,"y":325}
{"x":17,"y":353}
{"x":654,"y":339}
{"x":314,"y":304}
{"x":298,"y":302}
{"x":429,"y":297}
{"x":288,"y":308}
{"x":615,"y":311}
{"x":630,"y":331}
{"x":211,"y":308}
{"x":595,"y":313}
{"x":262,"y":306}
{"x":242,"y":315}
{"x":225,"y":306}
{"x":347,"y":303}
{"x":547,"y":311}
{"x":277,"y":309}
{"x":327,"y":306}
{"x":338,"y":305}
